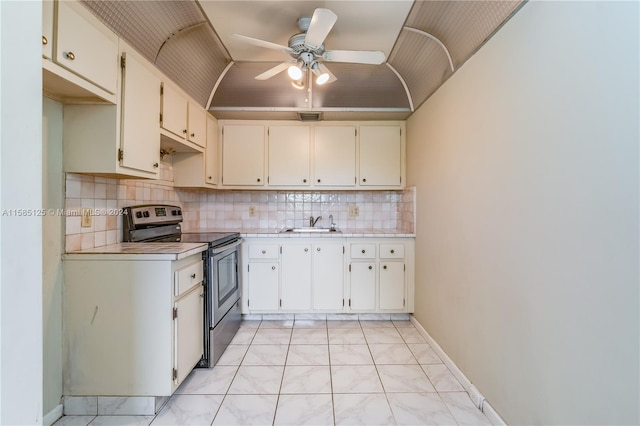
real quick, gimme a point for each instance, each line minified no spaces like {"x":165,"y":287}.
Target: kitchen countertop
{"x":350,"y":233}
{"x":138,"y":251}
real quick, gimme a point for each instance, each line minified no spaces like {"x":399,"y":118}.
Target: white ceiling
{"x":361,"y":25}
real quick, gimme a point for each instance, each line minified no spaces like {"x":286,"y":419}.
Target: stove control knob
{"x":145,"y":213}
{"x":138,"y":215}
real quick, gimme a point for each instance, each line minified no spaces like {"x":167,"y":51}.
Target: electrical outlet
{"x":85,"y":222}
{"x":354,"y":211}
{"x":252,"y":211}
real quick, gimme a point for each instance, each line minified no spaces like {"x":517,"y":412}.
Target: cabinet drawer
{"x":263,"y":251}
{"x":363,"y":251}
{"x":188,"y":277}
{"x":391,"y":251}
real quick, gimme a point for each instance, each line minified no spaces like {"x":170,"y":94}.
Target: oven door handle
{"x":218,"y":250}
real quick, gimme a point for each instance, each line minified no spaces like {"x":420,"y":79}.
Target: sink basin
{"x":310,"y":229}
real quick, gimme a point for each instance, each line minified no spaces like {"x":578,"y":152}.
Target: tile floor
{"x":316,"y":373}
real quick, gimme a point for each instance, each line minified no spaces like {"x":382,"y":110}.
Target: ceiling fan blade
{"x":321,"y":23}
{"x":275,"y":70}
{"x":374,"y":57}
{"x":262,"y":43}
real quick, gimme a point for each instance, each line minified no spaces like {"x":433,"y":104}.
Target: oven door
{"x":225,"y":284}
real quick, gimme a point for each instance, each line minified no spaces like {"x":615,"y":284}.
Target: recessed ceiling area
{"x":192,"y":43}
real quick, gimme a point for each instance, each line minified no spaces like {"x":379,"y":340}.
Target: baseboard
{"x":475,"y":395}
{"x":52,"y":416}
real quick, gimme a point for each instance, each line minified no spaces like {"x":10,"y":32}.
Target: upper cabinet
{"x":380,"y":156}
{"x":196,"y":169}
{"x":243,"y":155}
{"x":86,"y":48}
{"x":182,"y":120}
{"x":47,"y":29}
{"x":117,"y":140}
{"x":320,"y":156}
{"x":80,"y":55}
{"x":289,"y":156}
{"x":334,"y":156}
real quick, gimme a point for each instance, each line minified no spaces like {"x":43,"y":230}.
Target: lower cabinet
{"x":131,"y":327}
{"x":362,"y":279}
{"x":328,"y":275}
{"x":264,"y":280}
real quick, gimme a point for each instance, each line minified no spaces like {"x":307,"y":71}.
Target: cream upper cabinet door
{"x":85,"y":46}
{"x":243,"y":155}
{"x":295,"y":277}
{"x":289,"y":156}
{"x":328,"y":276}
{"x":47,"y":29}
{"x":380,"y":156}
{"x":334,"y":157}
{"x":392,"y":285}
{"x":197,"y":124}
{"x":211,"y":153}
{"x":189,"y":332}
{"x":174,"y":111}
{"x":140,"y":141}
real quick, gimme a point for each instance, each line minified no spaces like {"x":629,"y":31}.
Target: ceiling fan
{"x":307,"y":51}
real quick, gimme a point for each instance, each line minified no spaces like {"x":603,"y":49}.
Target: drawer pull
{"x":71,"y":56}
{"x":193,"y":135}
{"x":193,"y":276}
{"x":304,"y":181}
{"x":318,"y":249}
{"x":319,"y":181}
{"x":393,"y":251}
{"x":273,"y":268}
{"x":384,"y":267}
{"x":306,"y":249}
{"x":184,"y":131}
{"x":259,"y":180}
{"x":44,"y":41}
{"x":364,"y":180}
{"x":264,"y":252}
{"x":363,"y":251}
{"x":370,"y":267}
{"x":155,"y":165}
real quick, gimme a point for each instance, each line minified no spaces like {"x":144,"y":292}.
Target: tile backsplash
{"x":244,"y":211}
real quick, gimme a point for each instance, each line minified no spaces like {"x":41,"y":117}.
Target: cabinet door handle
{"x":318,"y":249}
{"x":273,"y":268}
{"x":384,"y":267}
{"x":210,"y":178}
{"x":71,"y":56}
{"x":184,"y":131}
{"x":393,"y":251}
{"x":193,"y":276}
{"x":44,"y":41}
{"x":364,"y":180}
{"x":370,"y":267}
{"x":319,"y":181}
{"x":193,"y":135}
{"x":304,"y":181}
{"x":364,"y":251}
{"x":264,"y":251}
{"x":155,"y":165}
{"x":306,"y":249}
{"x":258,"y":179}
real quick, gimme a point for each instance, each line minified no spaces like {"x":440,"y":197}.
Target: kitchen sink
{"x":311,"y":229}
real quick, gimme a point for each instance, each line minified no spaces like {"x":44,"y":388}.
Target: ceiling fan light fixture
{"x":298,"y":84}
{"x":294,"y":72}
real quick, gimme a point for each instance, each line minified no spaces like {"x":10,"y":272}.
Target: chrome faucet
{"x":313,"y":222}
{"x":332,"y":225}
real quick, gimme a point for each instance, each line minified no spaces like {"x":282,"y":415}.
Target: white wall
{"x":526,"y":167}
{"x":20,"y":236}
{"x":52,"y":250}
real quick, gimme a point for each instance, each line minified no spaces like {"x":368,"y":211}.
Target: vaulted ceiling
{"x":191,"y":42}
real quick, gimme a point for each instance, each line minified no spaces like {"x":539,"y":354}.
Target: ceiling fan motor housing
{"x":296,"y":43}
